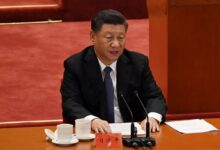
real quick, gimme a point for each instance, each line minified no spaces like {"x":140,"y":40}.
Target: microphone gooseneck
{"x":133,"y":128}
{"x":149,"y":140}
{"x":147,"y":123}
{"x":137,"y":95}
{"x":131,"y":114}
{"x":133,"y":141}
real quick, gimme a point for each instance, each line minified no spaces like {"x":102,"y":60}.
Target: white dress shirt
{"x":117,"y":113}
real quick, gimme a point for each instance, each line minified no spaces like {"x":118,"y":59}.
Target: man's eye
{"x":121,"y":38}
{"x":108,"y":37}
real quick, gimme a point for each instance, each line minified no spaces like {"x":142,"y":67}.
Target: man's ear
{"x":92,"y":36}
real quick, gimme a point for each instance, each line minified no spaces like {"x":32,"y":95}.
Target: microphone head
{"x":135,"y":92}
{"x":121,"y":94}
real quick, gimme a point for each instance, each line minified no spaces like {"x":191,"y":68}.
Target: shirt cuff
{"x":90,"y":117}
{"x":156,"y":116}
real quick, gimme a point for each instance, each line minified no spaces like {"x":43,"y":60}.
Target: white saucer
{"x":90,"y":137}
{"x":66,"y":143}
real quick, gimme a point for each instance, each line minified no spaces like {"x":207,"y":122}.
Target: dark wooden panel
{"x":194,"y":52}
{"x":184,"y":53}
{"x":78,"y":10}
{"x":158,"y":42}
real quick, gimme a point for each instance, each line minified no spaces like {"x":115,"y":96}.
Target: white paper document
{"x":125,"y":128}
{"x":192,"y":126}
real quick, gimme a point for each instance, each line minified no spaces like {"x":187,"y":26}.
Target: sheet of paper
{"x":125,"y":128}
{"x":192,"y":126}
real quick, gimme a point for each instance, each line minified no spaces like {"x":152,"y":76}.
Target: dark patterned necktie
{"x":109,"y":95}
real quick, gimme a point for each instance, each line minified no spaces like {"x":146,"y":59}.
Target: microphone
{"x":133,"y":128}
{"x":150,"y":141}
{"x":133,"y":141}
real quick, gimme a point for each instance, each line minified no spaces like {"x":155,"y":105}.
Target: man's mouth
{"x":114,"y":52}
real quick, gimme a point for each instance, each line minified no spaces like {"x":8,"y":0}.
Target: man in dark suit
{"x":95,"y":79}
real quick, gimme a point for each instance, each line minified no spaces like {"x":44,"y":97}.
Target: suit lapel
{"x":124,"y":69}
{"x":123,"y":73}
{"x":93,"y":72}
{"x":92,"y":69}
{"x":95,"y":81}
{"x":96,"y":84}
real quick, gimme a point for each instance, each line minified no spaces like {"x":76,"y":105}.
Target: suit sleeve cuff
{"x":156,"y":116}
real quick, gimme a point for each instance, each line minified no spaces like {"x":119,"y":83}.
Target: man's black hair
{"x":108,"y":16}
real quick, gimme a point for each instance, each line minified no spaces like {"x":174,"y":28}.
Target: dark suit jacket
{"x":83,"y":90}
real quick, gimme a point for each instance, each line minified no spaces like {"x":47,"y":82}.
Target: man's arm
{"x":72,"y":101}
{"x":153,"y":98}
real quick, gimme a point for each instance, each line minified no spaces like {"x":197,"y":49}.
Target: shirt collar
{"x":113,"y":65}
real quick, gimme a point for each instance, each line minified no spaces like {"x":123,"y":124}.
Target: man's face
{"x":109,"y":42}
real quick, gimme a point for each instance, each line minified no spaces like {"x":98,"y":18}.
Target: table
{"x":33,"y":138}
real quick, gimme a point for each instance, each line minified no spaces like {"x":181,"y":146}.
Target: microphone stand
{"x":133,"y":141}
{"x":133,"y":130}
{"x":149,"y":141}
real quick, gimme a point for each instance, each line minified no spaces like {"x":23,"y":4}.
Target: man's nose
{"x":115,"y":43}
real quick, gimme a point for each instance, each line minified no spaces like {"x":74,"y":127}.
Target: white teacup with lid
{"x":64,"y":132}
{"x":83,"y":128}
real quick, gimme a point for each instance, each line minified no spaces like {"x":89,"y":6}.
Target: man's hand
{"x":100,"y":126}
{"x":154,"y":125}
